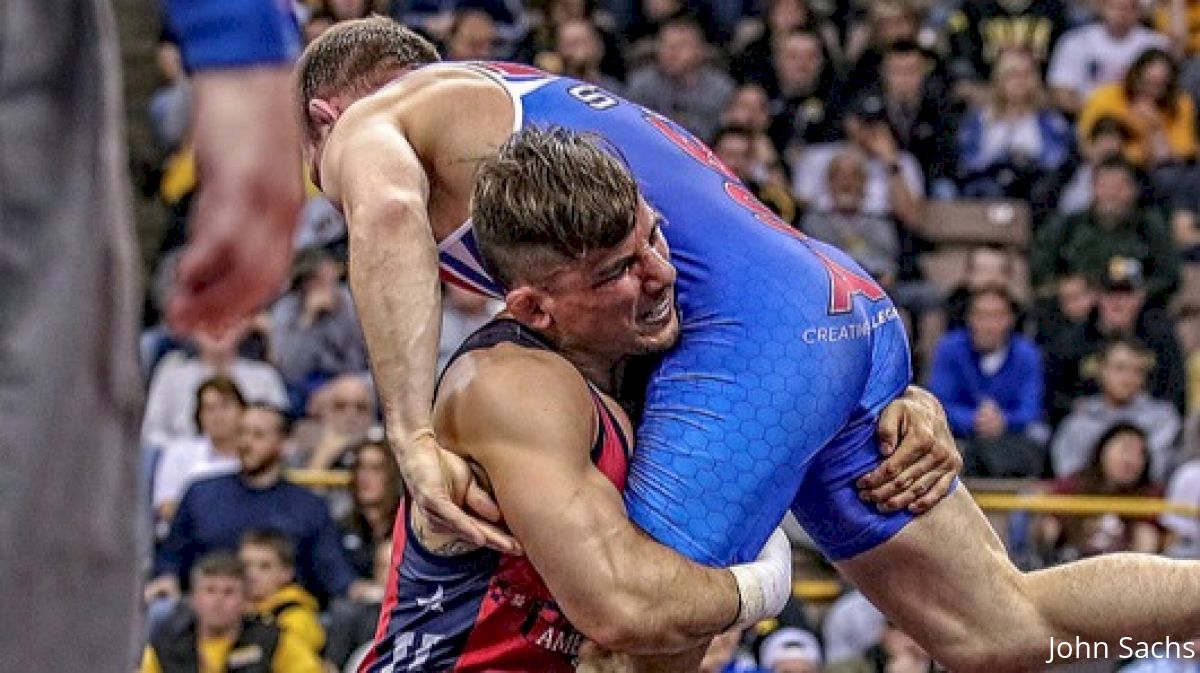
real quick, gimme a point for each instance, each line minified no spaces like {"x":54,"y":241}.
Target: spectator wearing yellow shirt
{"x":1161,"y":118}
{"x":212,"y":634}
{"x":270,"y":561}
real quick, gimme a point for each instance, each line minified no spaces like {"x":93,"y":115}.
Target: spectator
{"x":989,"y":378}
{"x":1071,"y":362}
{"x":472,"y":37}
{"x":376,"y":489}
{"x":752,"y":158}
{"x":1074,"y":299}
{"x":342,"y":412}
{"x":270,"y":562}
{"x":1160,"y":117}
{"x":758,"y":60}
{"x":581,"y":51}
{"x":896,"y":653}
{"x":171,"y":402}
{"x":987,"y":266}
{"x":1122,"y":399}
{"x":219,"y":406}
{"x":1117,"y":463}
{"x":887,"y":23}
{"x":870,"y":239}
{"x":790,"y":650}
{"x":212,"y":631}
{"x":895,"y":182}
{"x":315,"y":328}
{"x":750,"y":108}
{"x":916,"y":111}
{"x":544,"y":43}
{"x":654,"y":15}
{"x":681,"y":84}
{"x":463,"y":312}
{"x":1115,"y":226}
{"x":216,"y":512}
{"x":1099,"y":53}
{"x":1107,"y":137}
{"x":851,"y":627}
{"x":440,"y":18}
{"x":980,"y":30}
{"x":804,"y":85}
{"x":1012,"y":146}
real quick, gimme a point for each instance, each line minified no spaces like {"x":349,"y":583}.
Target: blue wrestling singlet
{"x":788,"y":353}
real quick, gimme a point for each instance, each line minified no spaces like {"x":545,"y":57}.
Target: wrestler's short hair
{"x":549,"y":196}
{"x":357,"y":56}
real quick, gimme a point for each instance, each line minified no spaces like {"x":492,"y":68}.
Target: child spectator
{"x":269,"y":558}
{"x":212,"y":633}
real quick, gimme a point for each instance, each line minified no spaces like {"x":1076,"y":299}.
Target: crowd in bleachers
{"x":1020,"y":175}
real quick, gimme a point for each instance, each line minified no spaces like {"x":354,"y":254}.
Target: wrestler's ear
{"x":322,"y":112}
{"x":528,"y":305}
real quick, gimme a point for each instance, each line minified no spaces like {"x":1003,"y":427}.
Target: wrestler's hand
{"x":441,"y":486}
{"x":922,"y":459}
{"x":246,"y":137}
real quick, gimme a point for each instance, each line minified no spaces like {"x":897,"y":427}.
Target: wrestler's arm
{"x":246,"y":139}
{"x":371,"y":171}
{"x":527,"y":419}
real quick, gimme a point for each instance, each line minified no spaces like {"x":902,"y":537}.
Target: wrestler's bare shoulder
{"x":435,"y":91}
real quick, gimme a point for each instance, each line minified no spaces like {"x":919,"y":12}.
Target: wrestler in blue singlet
{"x":788,"y":353}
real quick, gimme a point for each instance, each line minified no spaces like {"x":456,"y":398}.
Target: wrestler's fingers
{"x":940,"y":489}
{"x":890,"y":426}
{"x":904,"y":480}
{"x":917,"y":483}
{"x":481,"y":503}
{"x":447,"y":517}
{"x":913,"y":445}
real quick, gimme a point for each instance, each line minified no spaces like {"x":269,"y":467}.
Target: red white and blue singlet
{"x":788,"y":350}
{"x":481,"y":611}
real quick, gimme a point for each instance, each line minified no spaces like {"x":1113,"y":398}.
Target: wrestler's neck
{"x":604,"y":371}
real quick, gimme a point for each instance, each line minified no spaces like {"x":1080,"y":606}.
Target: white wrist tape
{"x":765,"y":584}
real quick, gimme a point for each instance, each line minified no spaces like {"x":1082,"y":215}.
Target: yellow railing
{"x":989,"y":501}
{"x":825,"y":590}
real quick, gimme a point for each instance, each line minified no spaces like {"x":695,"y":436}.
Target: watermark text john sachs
{"x":1127,"y":648}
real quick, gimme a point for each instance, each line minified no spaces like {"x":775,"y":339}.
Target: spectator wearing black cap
{"x":1114,"y":226}
{"x":1072,"y":359}
{"x":990,"y":380}
{"x":1124,"y":365}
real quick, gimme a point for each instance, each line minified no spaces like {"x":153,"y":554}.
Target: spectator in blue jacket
{"x":989,"y":378}
{"x":215,"y":513}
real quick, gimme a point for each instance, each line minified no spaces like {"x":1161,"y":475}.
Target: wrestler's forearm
{"x":394,"y":278}
{"x":647,"y":599}
{"x":623,"y":589}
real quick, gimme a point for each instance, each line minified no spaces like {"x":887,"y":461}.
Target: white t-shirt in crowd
{"x":1088,"y":57}
{"x":171,"y":402}
{"x":811,"y":170}
{"x":185,"y":461}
